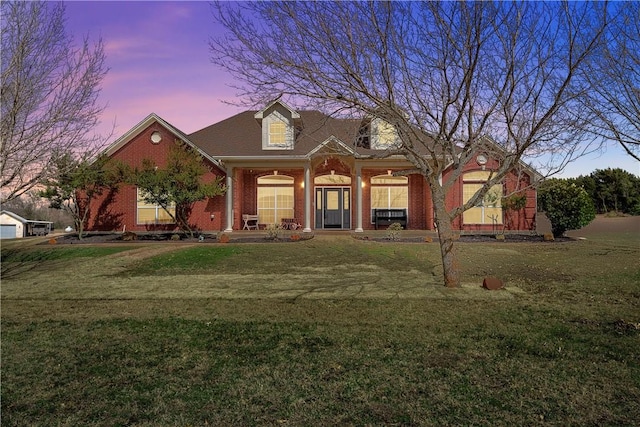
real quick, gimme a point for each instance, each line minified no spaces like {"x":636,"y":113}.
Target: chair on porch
{"x":290,"y":223}
{"x":250,"y":221}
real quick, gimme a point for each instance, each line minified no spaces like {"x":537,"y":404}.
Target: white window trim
{"x":484,"y":218}
{"x":383,"y":135}
{"x":389,"y":187}
{"x":157,"y":207}
{"x":275,"y":204}
{"x":273,"y":117}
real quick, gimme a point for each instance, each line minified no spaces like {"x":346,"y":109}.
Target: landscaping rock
{"x":492,"y":283}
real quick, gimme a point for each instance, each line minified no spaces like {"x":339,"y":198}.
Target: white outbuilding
{"x":13,"y":226}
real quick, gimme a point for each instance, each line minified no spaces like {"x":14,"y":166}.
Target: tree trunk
{"x":182,"y":219}
{"x":447,"y":236}
{"x":448,"y":250}
{"x":80,"y":228}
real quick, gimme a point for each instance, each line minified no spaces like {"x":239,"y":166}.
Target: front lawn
{"x":328,"y":331}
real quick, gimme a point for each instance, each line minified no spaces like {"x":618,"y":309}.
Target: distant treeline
{"x":612,"y":190}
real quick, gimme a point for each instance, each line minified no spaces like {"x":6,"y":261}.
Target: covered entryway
{"x":333,"y":208}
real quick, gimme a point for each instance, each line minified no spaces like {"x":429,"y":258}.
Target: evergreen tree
{"x":567,"y":205}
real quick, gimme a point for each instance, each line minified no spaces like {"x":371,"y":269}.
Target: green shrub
{"x":514,"y":202}
{"x":567,"y":205}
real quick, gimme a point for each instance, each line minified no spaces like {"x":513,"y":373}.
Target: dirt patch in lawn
{"x":605,"y":224}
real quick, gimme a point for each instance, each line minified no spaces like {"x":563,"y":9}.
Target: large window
{"x":151,"y":213}
{"x":389,"y":192}
{"x":275,"y":198}
{"x":489,"y":209}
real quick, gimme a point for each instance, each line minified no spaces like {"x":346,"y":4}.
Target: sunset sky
{"x":158,"y":56}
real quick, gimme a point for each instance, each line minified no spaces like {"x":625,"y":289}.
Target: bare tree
{"x":614,"y":77}
{"x":445,"y":75}
{"x":49,"y":93}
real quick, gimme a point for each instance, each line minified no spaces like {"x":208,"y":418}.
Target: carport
{"x":13,"y":226}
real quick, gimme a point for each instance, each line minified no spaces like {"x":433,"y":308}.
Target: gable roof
{"x":23,"y":220}
{"x":241,"y":135}
{"x":144,"y":124}
{"x":331,"y":146}
{"x":14,"y":216}
{"x":260,"y":114}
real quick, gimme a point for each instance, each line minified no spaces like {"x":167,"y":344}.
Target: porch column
{"x":359,"y":199}
{"x":229,"y":200}
{"x":307,"y":198}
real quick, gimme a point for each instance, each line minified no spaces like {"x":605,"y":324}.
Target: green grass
{"x":265,"y":334}
{"x":280,"y":258}
{"x":172,"y":371}
{"x":188,"y":261}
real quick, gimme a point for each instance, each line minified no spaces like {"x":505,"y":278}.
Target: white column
{"x":359,"y":199}
{"x":229,"y":199}
{"x":307,"y":198}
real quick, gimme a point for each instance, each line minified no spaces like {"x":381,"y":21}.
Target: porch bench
{"x":250,"y":221}
{"x":386,"y":217}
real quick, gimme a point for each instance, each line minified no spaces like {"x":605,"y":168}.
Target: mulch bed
{"x":473,"y":238}
{"x":97,"y":238}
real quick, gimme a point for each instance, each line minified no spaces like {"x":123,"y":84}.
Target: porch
{"x":326,"y":193}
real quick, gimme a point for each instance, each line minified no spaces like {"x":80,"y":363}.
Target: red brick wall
{"x":115,"y":211}
{"x":420,"y":208}
{"x":518,"y":221}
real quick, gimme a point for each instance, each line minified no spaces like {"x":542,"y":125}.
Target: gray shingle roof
{"x":241,"y":135}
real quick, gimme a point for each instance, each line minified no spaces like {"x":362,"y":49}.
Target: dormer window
{"x":383,"y":135}
{"x":277,"y":133}
{"x":278,"y":123}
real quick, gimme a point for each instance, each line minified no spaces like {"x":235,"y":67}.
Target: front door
{"x":333,"y":208}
